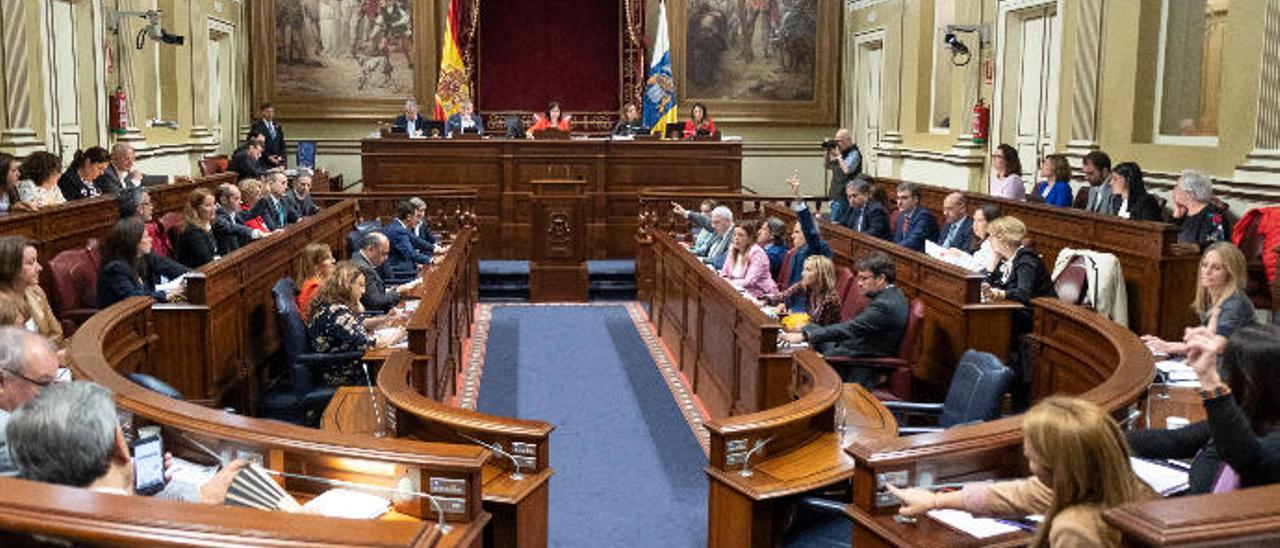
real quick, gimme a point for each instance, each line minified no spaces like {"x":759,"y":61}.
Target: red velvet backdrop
{"x":532,"y":52}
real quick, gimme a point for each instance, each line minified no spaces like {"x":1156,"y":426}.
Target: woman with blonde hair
{"x":1080,"y":467}
{"x":314,"y":268}
{"x":818,"y":282}
{"x":1016,"y":273}
{"x":1220,"y":287}
{"x":196,"y":246}
{"x":335,"y":326}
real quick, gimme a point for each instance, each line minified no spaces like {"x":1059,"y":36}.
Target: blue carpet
{"x":628,"y":471}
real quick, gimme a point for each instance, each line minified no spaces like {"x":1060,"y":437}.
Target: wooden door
{"x":1030,"y":98}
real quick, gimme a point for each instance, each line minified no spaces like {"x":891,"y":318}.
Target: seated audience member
{"x":1006,"y":174}
{"x":271,"y":206}
{"x":229,"y":232}
{"x":121,"y":173}
{"x":719,"y":224}
{"x":28,"y":363}
{"x":806,"y":241}
{"x":702,"y":237}
{"x":980,"y":246}
{"x":334,"y":324}
{"x":1200,"y":221}
{"x":315,"y":266}
{"x":136,"y":202}
{"x":298,"y":196}
{"x":1129,"y":197}
{"x":864,"y":214}
{"x":246,"y":162}
{"x":630,"y":124}
{"x":252,"y":190}
{"x":1079,"y":468}
{"x":772,"y":237}
{"x":20,"y":278}
{"x":10,"y":198}
{"x":1239,"y":444}
{"x":818,"y":284}
{"x":915,"y":223}
{"x":958,"y":232}
{"x":13,"y":311}
{"x":376,"y":297}
{"x":1220,"y":288}
{"x":464,"y":121}
{"x":1095,"y":198}
{"x":875,"y":332}
{"x":39,"y":184}
{"x":746,"y":266}
{"x":80,"y":179}
{"x":130,"y":269}
{"x":1017,"y":274}
{"x":422,"y":229}
{"x":1054,"y":186}
{"x":551,"y":119}
{"x":410,"y":122}
{"x":70,"y":434}
{"x":273,"y":153}
{"x":406,"y":255}
{"x":699,"y":122}
{"x":197,"y":245}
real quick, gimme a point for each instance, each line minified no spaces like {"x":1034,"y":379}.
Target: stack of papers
{"x":1163,"y":478}
{"x":1178,"y":373}
{"x":957,"y":258}
{"x":169,"y":285}
{"x":977,"y":527}
{"x":411,"y":305}
{"x":346,"y":503}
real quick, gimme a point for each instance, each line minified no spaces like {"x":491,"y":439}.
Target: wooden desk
{"x":1247,"y":517}
{"x":124,"y":337}
{"x":351,"y":411}
{"x":501,"y":170}
{"x":1160,"y":275}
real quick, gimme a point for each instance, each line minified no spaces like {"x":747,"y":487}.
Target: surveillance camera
{"x":158,"y":33}
{"x":953,"y":42}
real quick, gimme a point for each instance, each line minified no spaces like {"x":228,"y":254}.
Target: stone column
{"x":1262,"y":164}
{"x":1085,"y":85}
{"x":17,"y":133}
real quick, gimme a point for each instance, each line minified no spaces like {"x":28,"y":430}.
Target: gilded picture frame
{"x":813,"y":101}
{"x":376,"y":101}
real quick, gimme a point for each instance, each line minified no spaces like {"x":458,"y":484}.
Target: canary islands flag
{"x":453,"y":87}
{"x":659,"y":87}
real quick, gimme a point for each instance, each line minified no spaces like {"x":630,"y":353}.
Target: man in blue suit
{"x":864,"y":214}
{"x":465,"y":121}
{"x":410,"y":123}
{"x":958,"y":232}
{"x":915,"y":223}
{"x":406,"y":249}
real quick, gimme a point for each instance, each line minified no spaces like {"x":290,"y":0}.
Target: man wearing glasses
{"x":915,"y":224}
{"x":28,"y":364}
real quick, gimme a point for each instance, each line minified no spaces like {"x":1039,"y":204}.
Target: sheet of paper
{"x":976,"y":527}
{"x":411,"y":305}
{"x":169,"y":285}
{"x":1163,"y":479}
{"x":346,"y":503}
{"x":962,"y":260}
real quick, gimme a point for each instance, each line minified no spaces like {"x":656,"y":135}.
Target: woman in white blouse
{"x":1006,"y":178}
{"x":39,"y":185}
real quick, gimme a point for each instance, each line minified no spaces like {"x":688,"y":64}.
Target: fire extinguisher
{"x":981,"y":121}
{"x":119,"y":112}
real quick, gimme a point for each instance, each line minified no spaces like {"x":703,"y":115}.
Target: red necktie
{"x":906,"y":224}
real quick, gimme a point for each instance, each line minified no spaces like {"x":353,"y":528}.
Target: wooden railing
{"x":1246,"y":517}
{"x":124,"y":338}
{"x":449,"y":210}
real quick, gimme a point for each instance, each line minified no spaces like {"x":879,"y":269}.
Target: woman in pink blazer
{"x":747,"y":265}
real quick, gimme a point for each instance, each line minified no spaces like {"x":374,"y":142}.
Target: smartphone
{"x":148,"y":465}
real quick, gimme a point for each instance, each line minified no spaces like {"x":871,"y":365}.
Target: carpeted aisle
{"x":628,"y":470}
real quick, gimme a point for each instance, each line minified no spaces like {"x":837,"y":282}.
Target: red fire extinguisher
{"x":981,"y":122}
{"x":119,"y":112}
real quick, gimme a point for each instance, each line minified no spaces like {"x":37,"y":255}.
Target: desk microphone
{"x":1133,"y":415}
{"x":381,"y":432}
{"x":497,"y":448}
{"x":746,"y":460}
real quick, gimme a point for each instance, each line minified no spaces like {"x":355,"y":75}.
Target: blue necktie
{"x":951,"y":234}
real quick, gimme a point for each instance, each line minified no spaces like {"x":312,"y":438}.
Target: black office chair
{"x":976,"y":392}
{"x":297,"y":399}
{"x":155,"y":385}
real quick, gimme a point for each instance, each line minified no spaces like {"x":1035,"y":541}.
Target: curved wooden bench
{"x":122,"y":338}
{"x":1245,"y":517}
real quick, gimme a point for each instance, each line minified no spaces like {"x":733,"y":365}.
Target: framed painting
{"x":758,"y":61}
{"x":353,"y":59}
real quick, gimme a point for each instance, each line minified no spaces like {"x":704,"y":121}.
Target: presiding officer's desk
{"x":124,"y":338}
{"x":502,"y":169}
{"x":1160,"y":274}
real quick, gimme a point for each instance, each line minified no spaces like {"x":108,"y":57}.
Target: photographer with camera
{"x":845,"y":161}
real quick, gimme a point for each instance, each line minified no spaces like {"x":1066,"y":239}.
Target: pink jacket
{"x":755,"y":278}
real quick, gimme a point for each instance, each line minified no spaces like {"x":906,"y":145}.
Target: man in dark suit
{"x":121,"y":174}
{"x":410,"y":123}
{"x":245,"y":162}
{"x":915,"y":223}
{"x":422,"y":230}
{"x":298,"y":197}
{"x":1096,"y":197}
{"x":875,"y":332}
{"x":958,"y":232}
{"x":228,"y":232}
{"x":864,"y":214}
{"x":273,"y":154}
{"x":466,"y":121}
{"x":406,"y":254}
{"x":275,"y":213}
{"x":373,"y":251}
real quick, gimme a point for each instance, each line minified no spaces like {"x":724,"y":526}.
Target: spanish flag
{"x":453,"y":86}
{"x":660,"y":87}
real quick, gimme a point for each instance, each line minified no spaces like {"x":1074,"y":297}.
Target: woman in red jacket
{"x":552,"y":118}
{"x":699,"y":123}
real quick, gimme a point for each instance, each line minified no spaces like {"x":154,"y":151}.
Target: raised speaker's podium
{"x":558,"y":271}
{"x":550,"y":133}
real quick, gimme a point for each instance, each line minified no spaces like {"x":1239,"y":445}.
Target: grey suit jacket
{"x":376,"y":296}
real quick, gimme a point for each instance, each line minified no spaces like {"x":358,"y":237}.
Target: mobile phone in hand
{"x":148,"y":465}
